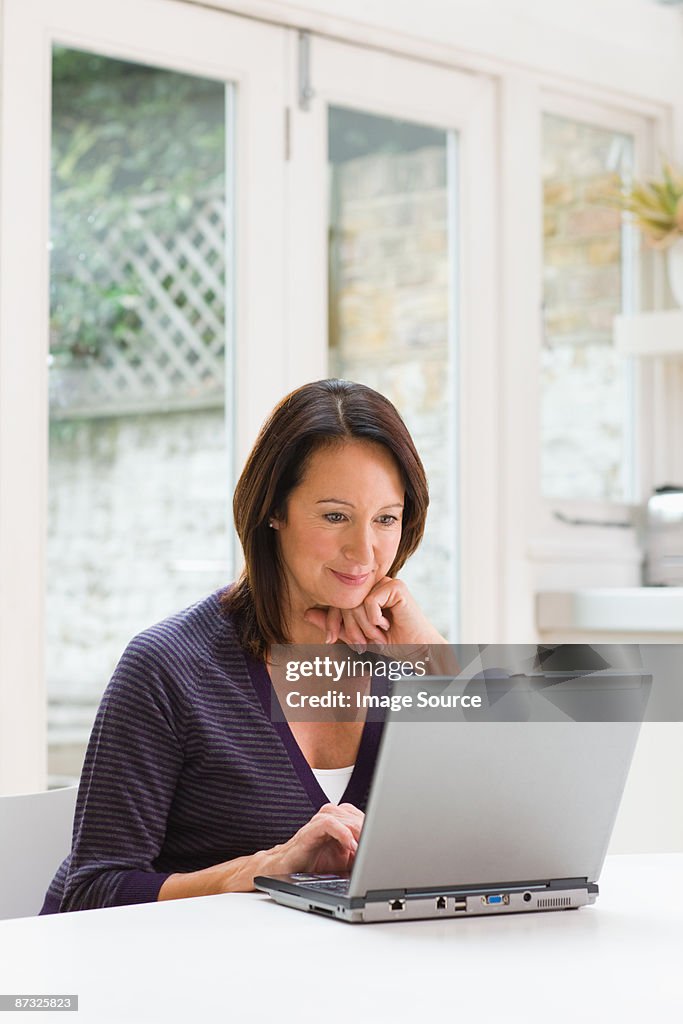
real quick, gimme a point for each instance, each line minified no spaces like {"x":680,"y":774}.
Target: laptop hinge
{"x":375,"y":895}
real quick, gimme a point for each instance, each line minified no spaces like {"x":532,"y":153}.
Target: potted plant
{"x":657,"y":209}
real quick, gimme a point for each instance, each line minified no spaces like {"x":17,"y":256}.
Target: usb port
{"x":460,"y":905}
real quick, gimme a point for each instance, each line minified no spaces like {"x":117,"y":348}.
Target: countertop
{"x":652,"y":610}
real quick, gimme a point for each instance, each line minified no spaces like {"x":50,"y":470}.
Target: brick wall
{"x":389,"y":306}
{"x":130,"y":500}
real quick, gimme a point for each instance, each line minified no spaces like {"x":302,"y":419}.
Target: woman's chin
{"x":346,"y":598}
{"x":346,"y":605}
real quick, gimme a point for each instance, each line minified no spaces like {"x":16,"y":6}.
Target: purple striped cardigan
{"x":185,"y":768}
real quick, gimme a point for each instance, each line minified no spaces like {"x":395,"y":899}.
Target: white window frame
{"x":395,"y":86}
{"x":539,"y":551}
{"x":509,"y":536}
{"x":174,"y":36}
{"x":643,"y":129}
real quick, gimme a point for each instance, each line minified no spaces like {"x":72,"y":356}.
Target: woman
{"x":189,"y":787}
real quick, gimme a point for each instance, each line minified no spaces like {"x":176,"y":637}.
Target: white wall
{"x":650,"y":818}
{"x":630,"y":45}
{"x":628,"y":57}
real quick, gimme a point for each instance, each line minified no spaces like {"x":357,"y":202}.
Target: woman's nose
{"x":358,"y":547}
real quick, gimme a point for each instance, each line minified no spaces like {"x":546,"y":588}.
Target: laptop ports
{"x":321,"y":910}
{"x":498,"y":899}
{"x":441,"y":903}
{"x":397,"y":904}
{"x":460,"y":905}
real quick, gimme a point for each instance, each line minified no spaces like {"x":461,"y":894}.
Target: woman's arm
{"x":128,"y":782}
{"x":234,"y":876}
{"x":326,"y":843}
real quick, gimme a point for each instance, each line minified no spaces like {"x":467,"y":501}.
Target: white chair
{"x":35,"y":837}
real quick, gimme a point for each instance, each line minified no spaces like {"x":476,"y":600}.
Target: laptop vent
{"x":553,"y":902}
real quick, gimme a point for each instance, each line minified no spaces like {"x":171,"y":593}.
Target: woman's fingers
{"x":352,"y":817}
{"x":392,"y":599}
{"x":373,"y":609}
{"x":330,"y":838}
{"x":360,"y":629}
{"x":327,"y":620}
{"x":317,"y":617}
{"x":389,"y":614}
{"x":369,"y":618}
{"x":352,"y":627}
{"x":331,"y":827}
{"x":333,"y":625}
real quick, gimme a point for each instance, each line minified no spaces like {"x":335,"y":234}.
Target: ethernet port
{"x":440,"y":902}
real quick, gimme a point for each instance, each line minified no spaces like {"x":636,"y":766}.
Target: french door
{"x":391,"y":176}
{"x":198,"y":213}
{"x":141,"y":333}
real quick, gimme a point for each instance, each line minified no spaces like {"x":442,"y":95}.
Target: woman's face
{"x":342,"y":527}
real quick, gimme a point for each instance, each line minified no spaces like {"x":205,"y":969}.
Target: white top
{"x":616,"y":961}
{"x":333,"y":781}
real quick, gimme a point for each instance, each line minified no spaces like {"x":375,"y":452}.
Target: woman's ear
{"x":274,"y":523}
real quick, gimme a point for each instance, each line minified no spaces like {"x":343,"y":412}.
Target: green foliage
{"x":126,"y":137}
{"x":657,"y":206}
{"x":125,"y":130}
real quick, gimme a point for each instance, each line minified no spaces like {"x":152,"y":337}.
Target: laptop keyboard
{"x":339,"y":886}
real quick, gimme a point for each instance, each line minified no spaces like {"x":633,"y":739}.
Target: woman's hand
{"x":326,"y":843}
{"x":388,"y":615}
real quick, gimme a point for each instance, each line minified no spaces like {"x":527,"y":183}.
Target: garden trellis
{"x":161,"y":275}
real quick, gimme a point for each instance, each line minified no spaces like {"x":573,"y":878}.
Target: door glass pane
{"x":391,"y":279}
{"x":139,"y":466}
{"x":586,"y":411}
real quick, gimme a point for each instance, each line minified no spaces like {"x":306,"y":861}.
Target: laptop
{"x":504,"y":809}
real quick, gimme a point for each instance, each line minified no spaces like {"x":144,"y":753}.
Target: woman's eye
{"x":335,"y":517}
{"x":387,"y":520}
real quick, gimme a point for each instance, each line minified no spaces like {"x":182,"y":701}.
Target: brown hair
{"x":305,"y":420}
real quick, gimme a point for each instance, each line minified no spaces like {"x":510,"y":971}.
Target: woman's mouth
{"x":349,"y":580}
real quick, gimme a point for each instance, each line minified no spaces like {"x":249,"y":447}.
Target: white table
{"x":241,"y":958}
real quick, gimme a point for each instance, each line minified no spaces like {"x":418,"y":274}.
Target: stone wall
{"x":389,"y":312}
{"x":136,"y":505}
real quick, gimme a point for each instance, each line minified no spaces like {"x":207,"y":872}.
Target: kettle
{"x":664,"y":537}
